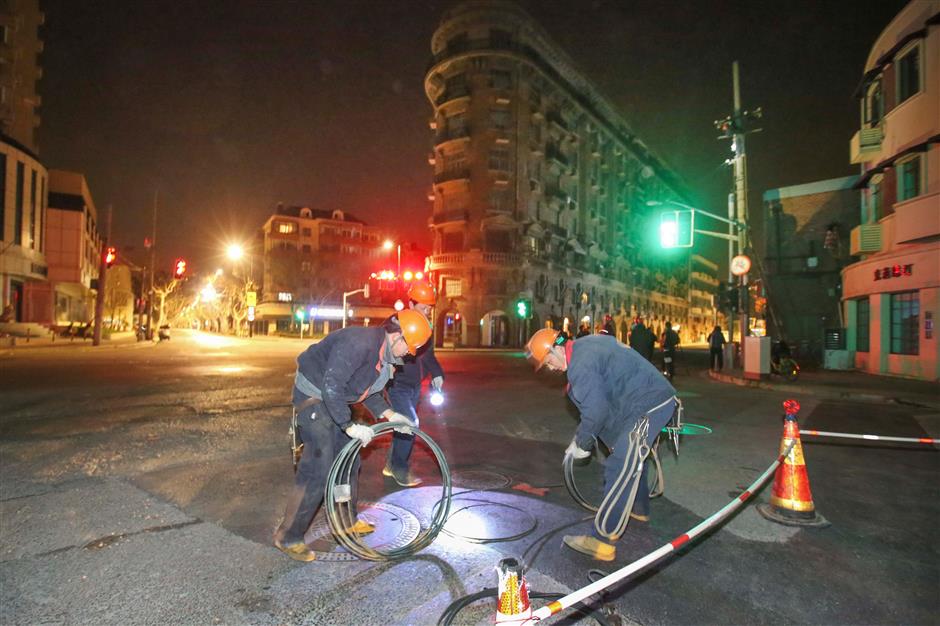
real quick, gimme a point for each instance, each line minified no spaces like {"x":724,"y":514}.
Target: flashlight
{"x":437,"y":398}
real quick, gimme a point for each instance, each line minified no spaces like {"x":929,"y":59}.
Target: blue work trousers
{"x":323,"y":441}
{"x":404,"y":399}
{"x":616,"y":461}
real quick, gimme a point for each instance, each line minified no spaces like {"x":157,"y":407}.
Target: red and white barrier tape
{"x":579,"y":595}
{"x":823,"y":433}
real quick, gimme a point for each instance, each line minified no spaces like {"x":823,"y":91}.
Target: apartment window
{"x":905,"y":312}
{"x":500,"y":79}
{"x":497,"y":240}
{"x":453,"y":287}
{"x":456,"y":86}
{"x":908,"y":74}
{"x":305,"y":248}
{"x":306,"y":232}
{"x":500,"y":118}
{"x":286,"y":228}
{"x":455,"y":162}
{"x":909,"y":178}
{"x":862,"y":321}
{"x":42,"y":199}
{"x":3,"y":197}
{"x":18,"y":222}
{"x":305,"y":266}
{"x":452,"y":242}
{"x":499,"y":160}
{"x":875,"y":199}
{"x":499,"y":200}
{"x":456,"y":125}
{"x":33,"y":222}
{"x":874,"y":103}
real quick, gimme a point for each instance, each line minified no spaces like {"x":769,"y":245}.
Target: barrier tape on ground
{"x":823,"y":433}
{"x":595,"y":587}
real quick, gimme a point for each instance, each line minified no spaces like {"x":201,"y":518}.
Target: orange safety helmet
{"x":540,"y":345}
{"x":422,"y":293}
{"x":415,"y":329}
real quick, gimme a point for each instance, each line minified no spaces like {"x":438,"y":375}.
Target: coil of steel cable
{"x":656,"y":489}
{"x":339,"y":514}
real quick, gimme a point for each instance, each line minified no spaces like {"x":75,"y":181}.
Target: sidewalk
{"x":13,"y":344}
{"x":844,"y":385}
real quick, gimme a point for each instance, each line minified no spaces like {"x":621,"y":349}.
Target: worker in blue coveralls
{"x":613,"y":388}
{"x":348,"y":366}
{"x":405,"y":391}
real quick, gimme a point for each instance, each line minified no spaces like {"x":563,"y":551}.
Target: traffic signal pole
{"x":102,"y":281}
{"x":740,"y":192}
{"x":153,"y":268}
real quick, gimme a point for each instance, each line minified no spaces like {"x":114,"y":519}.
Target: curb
{"x":832,"y":394}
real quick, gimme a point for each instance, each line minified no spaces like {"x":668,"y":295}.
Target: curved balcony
{"x":447,"y":217}
{"x":451,"y":134}
{"x":474,"y":258}
{"x":448,"y":176}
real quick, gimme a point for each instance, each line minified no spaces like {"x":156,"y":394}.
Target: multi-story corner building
{"x":703,"y":288}
{"x":22,"y":175}
{"x":73,"y":249}
{"x":806,"y":244}
{"x":891,"y":295}
{"x":540,"y":189}
{"x":311,"y":257}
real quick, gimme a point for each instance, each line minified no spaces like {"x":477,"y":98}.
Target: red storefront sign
{"x":894,"y":271}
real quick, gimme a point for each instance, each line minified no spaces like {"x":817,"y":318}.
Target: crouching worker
{"x":615,"y":390}
{"x":348,"y":366}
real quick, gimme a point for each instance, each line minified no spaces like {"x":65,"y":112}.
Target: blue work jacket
{"x":612,"y":386}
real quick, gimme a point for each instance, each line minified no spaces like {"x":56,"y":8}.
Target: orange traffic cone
{"x":791,"y":501}
{"x":512,"y":601}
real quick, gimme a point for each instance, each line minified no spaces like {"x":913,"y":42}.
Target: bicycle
{"x":786,"y":368}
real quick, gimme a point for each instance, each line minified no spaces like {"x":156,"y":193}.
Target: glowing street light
{"x":209,"y":293}
{"x":234,"y":251}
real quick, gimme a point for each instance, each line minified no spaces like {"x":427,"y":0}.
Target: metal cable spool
{"x":339,"y":513}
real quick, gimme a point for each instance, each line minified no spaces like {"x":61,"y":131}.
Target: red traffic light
{"x":110,"y":257}
{"x":180,"y":268}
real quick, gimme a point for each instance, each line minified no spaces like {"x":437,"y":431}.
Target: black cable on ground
{"x":340,"y":510}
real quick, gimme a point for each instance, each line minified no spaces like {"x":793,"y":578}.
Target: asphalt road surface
{"x":140,"y":483}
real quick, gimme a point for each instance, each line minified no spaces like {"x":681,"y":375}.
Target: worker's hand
{"x":576,"y":452}
{"x":437,"y":383}
{"x":362,"y":433}
{"x":398,"y":418}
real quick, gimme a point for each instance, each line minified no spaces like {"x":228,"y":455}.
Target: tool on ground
{"x":791,"y":500}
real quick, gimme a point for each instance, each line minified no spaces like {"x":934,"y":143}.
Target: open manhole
{"x":478,"y":479}
{"x":395,"y":527}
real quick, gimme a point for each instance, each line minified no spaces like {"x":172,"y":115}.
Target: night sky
{"x":227,"y":108}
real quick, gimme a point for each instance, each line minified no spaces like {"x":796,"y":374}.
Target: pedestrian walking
{"x":349,"y":365}
{"x":405,"y":391}
{"x":716,"y":345}
{"x":615,"y":389}
{"x":669,"y":343}
{"x":642,"y":340}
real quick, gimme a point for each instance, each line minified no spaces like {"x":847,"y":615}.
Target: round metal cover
{"x":479,"y":479}
{"x":394,"y":527}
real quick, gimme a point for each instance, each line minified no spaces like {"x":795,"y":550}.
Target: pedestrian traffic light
{"x":300,"y":314}
{"x":676,"y":228}
{"x":110,"y":257}
{"x":523,"y":309}
{"x":180,"y":269}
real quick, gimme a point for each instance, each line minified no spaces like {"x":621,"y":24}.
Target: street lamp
{"x":235,"y":251}
{"x":388,"y":245}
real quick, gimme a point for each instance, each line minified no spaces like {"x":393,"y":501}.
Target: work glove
{"x":398,"y":418}
{"x":437,"y":383}
{"x":576,"y":452}
{"x":362,"y":433}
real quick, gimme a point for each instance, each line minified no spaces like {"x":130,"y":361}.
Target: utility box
{"x":757,"y":358}
{"x":730,"y":355}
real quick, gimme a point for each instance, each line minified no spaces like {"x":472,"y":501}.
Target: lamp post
{"x":236,"y":252}
{"x":388,"y":245}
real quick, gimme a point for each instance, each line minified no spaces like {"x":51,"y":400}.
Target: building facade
{"x":73,"y":248}
{"x":703,"y":287}
{"x":23,"y":177}
{"x":311,"y":257}
{"x":891,"y":296}
{"x":540,"y":190}
{"x":806,"y":244}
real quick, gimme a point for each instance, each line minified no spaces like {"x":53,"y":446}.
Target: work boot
{"x":590,"y":546}
{"x":405,"y":480}
{"x":296,"y":550}
{"x":361,"y":527}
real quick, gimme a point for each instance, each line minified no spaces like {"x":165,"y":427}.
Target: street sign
{"x":251,"y":313}
{"x":740,"y":265}
{"x":251,"y":298}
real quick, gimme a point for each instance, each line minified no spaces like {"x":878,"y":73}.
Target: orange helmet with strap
{"x":415,"y":329}
{"x":540,"y":345}
{"x":422,"y":293}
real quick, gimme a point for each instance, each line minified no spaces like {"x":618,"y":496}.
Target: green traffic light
{"x":522,"y":309}
{"x":300,"y":314}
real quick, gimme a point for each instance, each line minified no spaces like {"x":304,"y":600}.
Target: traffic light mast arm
{"x":719,"y":235}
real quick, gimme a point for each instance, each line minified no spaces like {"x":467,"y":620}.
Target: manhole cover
{"x":479,"y":521}
{"x":395,"y":527}
{"x":479,"y":479}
